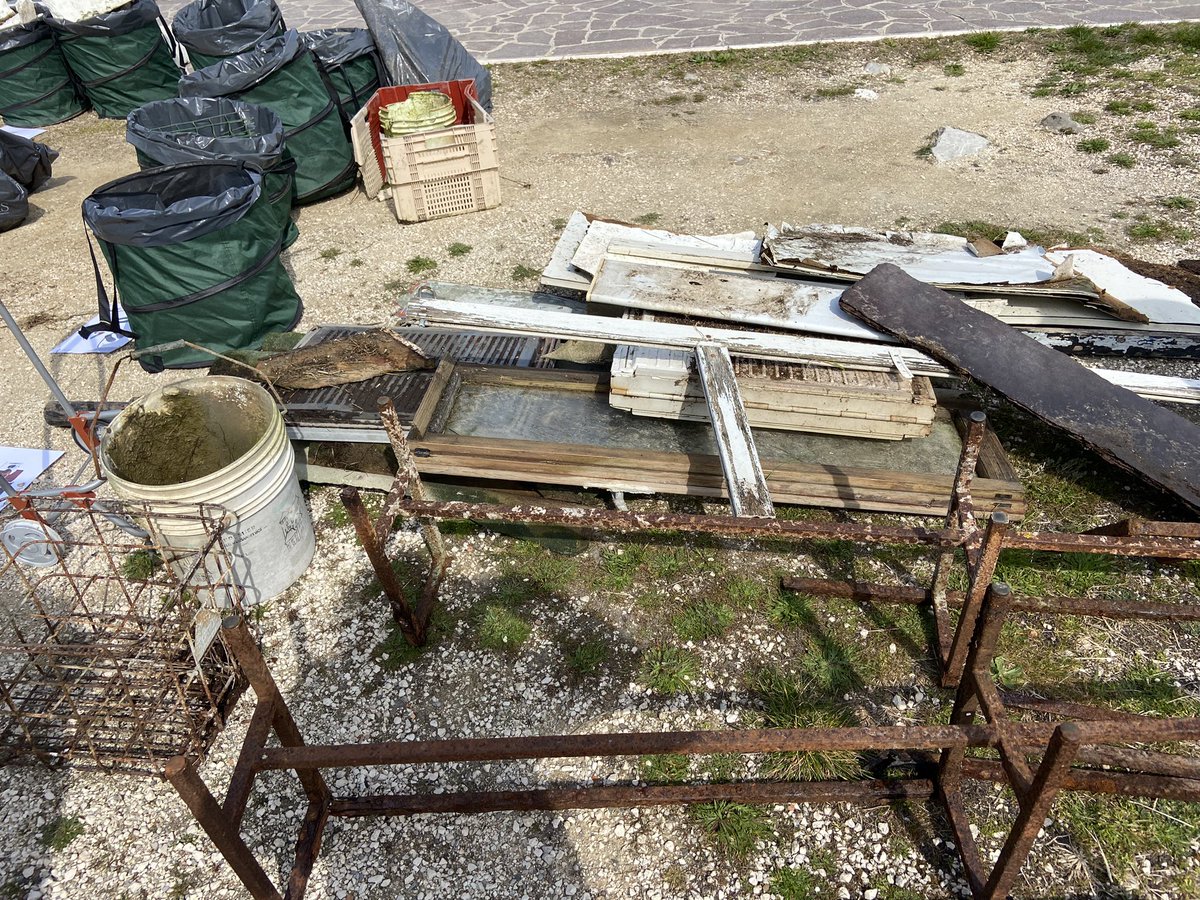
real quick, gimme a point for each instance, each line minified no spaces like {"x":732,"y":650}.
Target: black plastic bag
{"x":417,"y":49}
{"x":214,"y":29}
{"x":14,"y":203}
{"x":26,"y":162}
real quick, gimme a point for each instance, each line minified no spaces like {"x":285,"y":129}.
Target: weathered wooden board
{"x":748,"y":491}
{"x":780,"y":347}
{"x":1125,"y":429}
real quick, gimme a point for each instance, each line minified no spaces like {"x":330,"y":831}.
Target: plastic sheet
{"x":25,"y":161}
{"x":417,"y":49}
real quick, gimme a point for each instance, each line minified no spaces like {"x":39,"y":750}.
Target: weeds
{"x":833,"y":93}
{"x":788,"y":703}
{"x":587,"y":657}
{"x":734,"y":827}
{"x":984,"y":41}
{"x":356,"y":263}
{"x":502,"y":629}
{"x":331,"y":253}
{"x":1122,"y":160}
{"x":140,"y":565}
{"x":1093,"y":145}
{"x":1121,"y":830}
{"x":666,"y":768}
{"x":59,"y":833}
{"x":702,"y":620}
{"x":795,"y":884}
{"x":558,"y":223}
{"x":954,"y":70}
{"x":1152,"y":136}
{"x":1084,"y":118}
{"x":620,"y":565}
{"x":1179,"y":203}
{"x":459,"y":249}
{"x":418,"y":265}
{"x":1145,"y":229}
{"x":648,"y":219}
{"x":523,"y":272}
{"x":669,"y":670}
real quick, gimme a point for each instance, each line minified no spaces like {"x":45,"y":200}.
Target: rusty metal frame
{"x":1080,"y":748}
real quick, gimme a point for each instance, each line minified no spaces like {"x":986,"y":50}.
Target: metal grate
{"x":109,"y":650}
{"x":356,"y":403}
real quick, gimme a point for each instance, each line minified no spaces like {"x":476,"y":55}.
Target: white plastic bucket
{"x":217,"y":440}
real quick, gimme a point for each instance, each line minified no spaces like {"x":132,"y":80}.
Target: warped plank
{"x":1127,"y":430}
{"x":789,"y":303}
{"x":778,"y":347}
{"x":748,"y":492}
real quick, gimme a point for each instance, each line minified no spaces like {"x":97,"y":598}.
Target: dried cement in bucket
{"x":217,"y":440}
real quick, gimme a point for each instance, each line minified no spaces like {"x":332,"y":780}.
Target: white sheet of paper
{"x":101,"y":342}
{"x":21,"y":466}
{"x":29,"y":133}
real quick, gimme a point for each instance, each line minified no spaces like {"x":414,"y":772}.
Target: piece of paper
{"x":28,"y":133}
{"x":21,"y":466}
{"x":100,"y":342}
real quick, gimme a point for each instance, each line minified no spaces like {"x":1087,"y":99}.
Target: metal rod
{"x":308,"y":847}
{"x":220,"y":830}
{"x":981,"y":577}
{"x":402,"y":611}
{"x":621,"y":796}
{"x":35,"y":360}
{"x":242,"y":782}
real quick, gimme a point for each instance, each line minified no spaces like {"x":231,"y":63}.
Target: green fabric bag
{"x":36,"y":87}
{"x":351,"y":63}
{"x":283,"y":76}
{"x":121,"y":58}
{"x":194,"y":251}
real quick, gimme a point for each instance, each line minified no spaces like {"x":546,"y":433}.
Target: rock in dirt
{"x":877,"y":68}
{"x":950,"y":143}
{"x":865,"y":94}
{"x":1061,"y":123}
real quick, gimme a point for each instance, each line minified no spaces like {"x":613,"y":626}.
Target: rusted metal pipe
{"x":402,"y":611}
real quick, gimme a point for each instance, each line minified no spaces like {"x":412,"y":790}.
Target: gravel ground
{"x":708,"y":145}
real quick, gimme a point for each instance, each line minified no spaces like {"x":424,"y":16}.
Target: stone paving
{"x":516,"y":30}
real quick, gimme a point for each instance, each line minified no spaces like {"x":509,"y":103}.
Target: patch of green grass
{"x":1116,"y":832}
{"x":331,"y":253}
{"x":141,"y":565}
{"x":1181,"y":203}
{"x":670,"y":100}
{"x":1119,"y":107}
{"x":59,"y":833}
{"x":394,"y":652}
{"x":1006,"y":674}
{"x":502,"y":629}
{"x":719,"y":767}
{"x":13,"y":889}
{"x":558,"y":223}
{"x":1122,"y":159}
{"x":586,"y":657}
{"x":789,"y":703}
{"x":669,"y":670}
{"x":1151,"y":135}
{"x":1191,"y":114}
{"x":954,"y":70}
{"x":715,"y":58}
{"x":522,"y":272}
{"x":1145,"y":229}
{"x":665,"y":768}
{"x":619,"y":566}
{"x":984,"y":41}
{"x":795,"y":884}
{"x":542,"y":573}
{"x":744,"y":591}
{"x":702,"y":620}
{"x":735,"y":828}
{"x":459,"y":249}
{"x":356,"y":263}
{"x":395,"y":284}
{"x":1033,"y":573}
{"x":665,"y":562}
{"x":420,"y":264}
{"x":1146,"y":689}
{"x":832,"y":93}
{"x":1093,"y":145}
{"x":790,"y":610}
{"x":1084,"y":118}
{"x":648,"y":219}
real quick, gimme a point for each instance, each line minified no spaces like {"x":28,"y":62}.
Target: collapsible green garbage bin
{"x":211,"y":30}
{"x":36,"y":87}
{"x":187,"y":129}
{"x":193,"y":249}
{"x":351,"y":63}
{"x":283,"y":76}
{"x":121,"y":58}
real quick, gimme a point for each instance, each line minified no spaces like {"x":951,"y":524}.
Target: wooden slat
{"x":748,"y":492}
{"x":1158,"y":445}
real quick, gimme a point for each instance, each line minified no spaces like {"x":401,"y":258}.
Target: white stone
{"x":877,"y":68}
{"x":866,"y":94}
{"x":950,"y":143}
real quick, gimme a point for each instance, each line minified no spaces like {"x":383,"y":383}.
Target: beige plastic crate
{"x":437,"y":198}
{"x":431,"y":155}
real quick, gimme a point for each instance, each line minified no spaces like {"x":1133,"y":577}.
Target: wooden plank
{"x":789,"y":303}
{"x":748,"y":492}
{"x":779,"y":347}
{"x":1154,"y":443}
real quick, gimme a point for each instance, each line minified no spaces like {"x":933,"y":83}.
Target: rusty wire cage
{"x":110,"y":649}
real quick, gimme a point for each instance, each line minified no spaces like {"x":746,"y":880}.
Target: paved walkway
{"x":516,"y":30}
